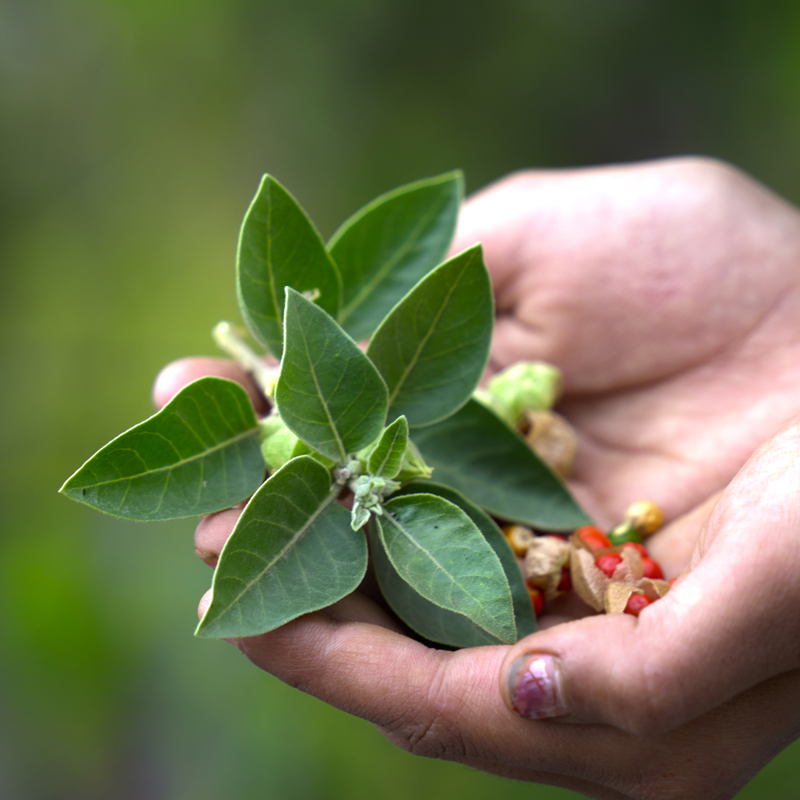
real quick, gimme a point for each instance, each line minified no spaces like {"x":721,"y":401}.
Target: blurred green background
{"x":133,"y":135}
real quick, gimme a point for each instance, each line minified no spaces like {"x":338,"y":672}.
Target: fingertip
{"x":178,"y":374}
{"x":205,"y":602}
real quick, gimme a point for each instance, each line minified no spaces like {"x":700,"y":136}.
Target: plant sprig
{"x":377,"y":425}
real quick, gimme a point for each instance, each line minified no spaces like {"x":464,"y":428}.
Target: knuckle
{"x":429,"y":727}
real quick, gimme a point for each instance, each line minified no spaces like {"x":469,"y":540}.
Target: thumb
{"x":729,"y":624}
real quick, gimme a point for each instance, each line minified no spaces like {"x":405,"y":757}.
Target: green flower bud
{"x":277,"y":442}
{"x":526,"y":386}
{"x":414,"y":465}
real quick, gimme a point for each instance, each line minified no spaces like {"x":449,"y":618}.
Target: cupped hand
{"x":668,"y":295}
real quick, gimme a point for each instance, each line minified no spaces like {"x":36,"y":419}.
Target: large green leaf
{"x":386,"y":458}
{"x":523,"y":608}
{"x":437,"y":549}
{"x":475,"y":452}
{"x":199,"y":454}
{"x":433,"y":347}
{"x":427,"y":619}
{"x":279,"y":247}
{"x":328,"y":393}
{"x":390,"y":244}
{"x":292,"y":551}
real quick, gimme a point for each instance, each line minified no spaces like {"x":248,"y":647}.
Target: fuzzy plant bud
{"x":368,"y":492}
{"x":526,"y":386}
{"x":414,"y":465}
{"x":277,"y":442}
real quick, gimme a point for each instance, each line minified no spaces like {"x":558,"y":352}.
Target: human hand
{"x":665,"y":293}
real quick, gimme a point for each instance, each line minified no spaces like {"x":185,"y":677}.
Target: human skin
{"x":669,"y":295}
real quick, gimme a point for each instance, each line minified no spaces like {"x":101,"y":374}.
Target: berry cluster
{"x":611,"y":572}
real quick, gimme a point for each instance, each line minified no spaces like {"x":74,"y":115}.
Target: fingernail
{"x":535,"y":687}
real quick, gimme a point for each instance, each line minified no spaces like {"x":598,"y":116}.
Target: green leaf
{"x":437,"y":549}
{"x":475,"y":452}
{"x":278,"y":247}
{"x":429,"y":620}
{"x":433,"y":346}
{"x":328,"y":393}
{"x":292,"y":551}
{"x":384,"y":249}
{"x":199,"y":454}
{"x":387,"y":457}
{"x":523,"y":608}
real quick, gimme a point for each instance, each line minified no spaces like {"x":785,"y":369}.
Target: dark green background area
{"x":133,"y":134}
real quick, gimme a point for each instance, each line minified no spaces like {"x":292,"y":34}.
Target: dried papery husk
{"x":552,"y":438}
{"x":644,"y":516}
{"x":617,"y":596}
{"x":588,"y":580}
{"x":546,"y":557}
{"x":618,"y":593}
{"x":630,"y":569}
{"x":654,"y":588}
{"x":519,"y":537}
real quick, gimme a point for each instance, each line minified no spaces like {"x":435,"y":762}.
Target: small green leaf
{"x":433,"y":346}
{"x":437,"y":549}
{"x":384,"y":249}
{"x":523,"y":608}
{"x":278,"y":247}
{"x":387,"y":457}
{"x":292,"y":551}
{"x":475,"y":452}
{"x":328,"y":393}
{"x":199,"y":454}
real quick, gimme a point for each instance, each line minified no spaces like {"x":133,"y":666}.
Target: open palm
{"x":668,"y":295}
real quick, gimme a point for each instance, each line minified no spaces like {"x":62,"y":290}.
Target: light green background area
{"x":133,"y":134}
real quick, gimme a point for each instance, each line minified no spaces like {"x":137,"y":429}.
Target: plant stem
{"x":229,"y":340}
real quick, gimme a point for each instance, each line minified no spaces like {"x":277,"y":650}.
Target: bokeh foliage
{"x":133,"y":135}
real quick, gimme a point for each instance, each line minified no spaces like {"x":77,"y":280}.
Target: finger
{"x":728,"y":625}
{"x":213,"y":531}
{"x":176,"y":375}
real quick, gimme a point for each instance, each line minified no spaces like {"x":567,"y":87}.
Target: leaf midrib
{"x":387,"y":266}
{"x":312,"y":370}
{"x":331,"y":496}
{"x":424,"y":341}
{"x":422,"y":549}
{"x":176,"y":465}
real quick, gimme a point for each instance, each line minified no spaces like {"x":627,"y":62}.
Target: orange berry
{"x":635,"y":604}
{"x":651,"y":569}
{"x":537,"y":598}
{"x":640,"y":548}
{"x":565,"y":584}
{"x":608,"y":562}
{"x":593,"y":537}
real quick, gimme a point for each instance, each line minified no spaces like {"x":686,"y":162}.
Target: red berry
{"x":537,"y":598}
{"x":607,"y":563}
{"x":650,"y":569}
{"x":565,"y":584}
{"x":640,"y":548}
{"x":593,"y":537}
{"x":635,"y":604}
